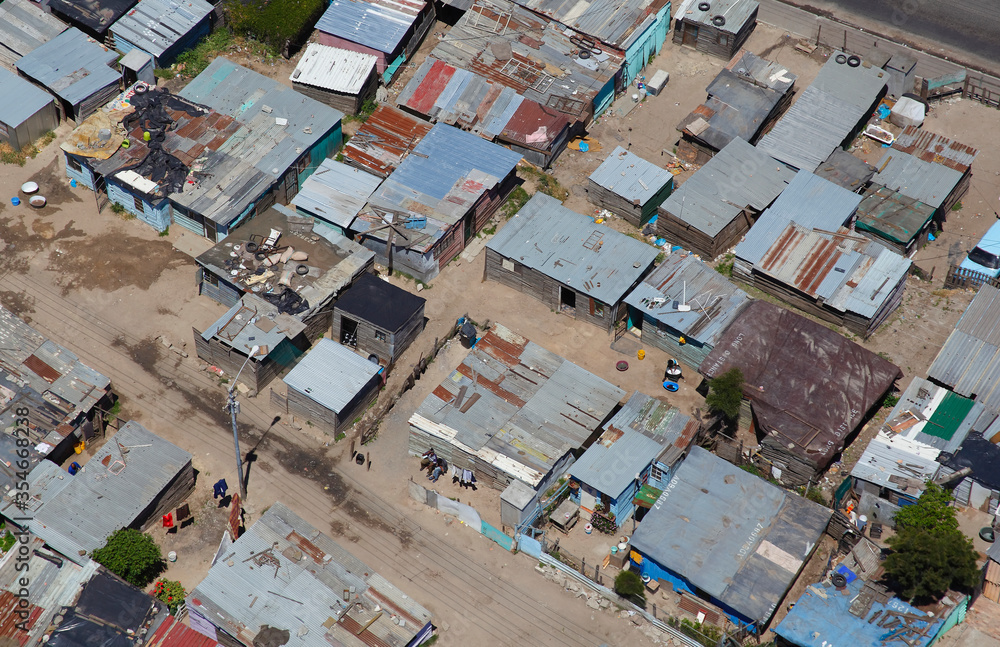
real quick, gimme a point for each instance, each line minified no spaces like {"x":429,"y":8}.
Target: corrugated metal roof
{"x":155,"y":25}
{"x":384,"y":140}
{"x":931,"y":147}
{"x":535,"y":126}
{"x":809,"y":201}
{"x":927,"y":182}
{"x":71,"y":65}
{"x":822,"y":616}
{"x":238,"y":327}
{"x":377,"y":24}
{"x":846,"y":170}
{"x":740,"y":100}
{"x":897,"y":463}
{"x":969,"y":361}
{"x":733,"y":535}
{"x":640,"y":432}
{"x":300,"y":588}
{"x":19,"y":99}
{"x":569,"y":247}
{"x":892,"y":215}
{"x":261,"y":149}
{"x":736,"y":13}
{"x":916,"y":416}
{"x":738,"y":177}
{"x":529,"y":53}
{"x":824,"y":114}
{"x":336,"y":192}
{"x":448,"y":173}
{"x":522,"y":408}
{"x":103,"y":498}
{"x":24,"y":26}
{"x":615,"y":22}
{"x":332,"y":68}
{"x":626,"y":174}
{"x":331,"y":374}
{"x":683,"y":277}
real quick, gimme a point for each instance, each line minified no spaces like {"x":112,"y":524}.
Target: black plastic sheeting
{"x":288,"y":302}
{"x":979,"y":454}
{"x":151,"y":115}
{"x":94,"y":16}
{"x":107,"y":610}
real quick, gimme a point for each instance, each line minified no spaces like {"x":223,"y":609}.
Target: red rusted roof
{"x":535,"y":126}
{"x":384,"y":140}
{"x":935,"y":148}
{"x":174,"y":633}
{"x":9,"y":620}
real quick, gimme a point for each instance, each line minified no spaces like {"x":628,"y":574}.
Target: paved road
{"x":932,"y":62}
{"x":970,"y":26}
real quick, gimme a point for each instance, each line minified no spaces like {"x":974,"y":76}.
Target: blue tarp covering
{"x":821,"y":618}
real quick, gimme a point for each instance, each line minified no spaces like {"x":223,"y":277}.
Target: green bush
{"x":279,"y":24}
{"x":170,"y":593}
{"x":628,"y":584}
{"x":132,"y":556}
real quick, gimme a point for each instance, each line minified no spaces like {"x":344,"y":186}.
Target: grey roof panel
{"x":24,"y":26}
{"x":336,"y":192}
{"x":913,"y":177}
{"x":331,"y":374}
{"x":304,"y":590}
{"x":736,"y":13}
{"x":572,"y":249}
{"x":101,"y":499}
{"x":714,"y":301}
{"x":626,"y":174}
{"x":733,"y":535}
{"x":72,"y":66}
{"x":19,"y":99}
{"x":156,"y":25}
{"x":614,"y":22}
{"x":379,"y":25}
{"x":739,"y":176}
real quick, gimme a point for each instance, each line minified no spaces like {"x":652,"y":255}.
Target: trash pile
{"x":272,"y":271}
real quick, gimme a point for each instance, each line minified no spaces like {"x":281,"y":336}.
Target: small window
{"x":211,"y":279}
{"x":74,"y":164}
{"x":724,"y":40}
{"x":379,"y":335}
{"x":598,"y":309}
{"x":655,"y":473}
{"x":137,"y":201}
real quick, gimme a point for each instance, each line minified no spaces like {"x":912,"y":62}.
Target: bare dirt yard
{"x":124,"y":299}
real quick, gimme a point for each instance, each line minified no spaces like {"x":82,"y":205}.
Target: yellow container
{"x":641,"y":354}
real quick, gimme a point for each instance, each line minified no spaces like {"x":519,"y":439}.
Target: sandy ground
{"x":110,"y":289}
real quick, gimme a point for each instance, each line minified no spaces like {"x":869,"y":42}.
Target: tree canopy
{"x":725,"y":394}
{"x":132,"y":556}
{"x":929,"y":553}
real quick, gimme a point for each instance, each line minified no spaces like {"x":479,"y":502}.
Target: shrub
{"x":517,"y":199}
{"x":725,"y":394}
{"x":170,"y":593}
{"x":628,"y":584}
{"x":132,"y":556}
{"x":279,"y":24}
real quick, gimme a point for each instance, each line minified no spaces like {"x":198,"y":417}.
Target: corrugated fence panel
{"x":529,"y":545}
{"x":497,"y":535}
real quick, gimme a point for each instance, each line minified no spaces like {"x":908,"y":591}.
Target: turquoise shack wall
{"x":648,"y":43}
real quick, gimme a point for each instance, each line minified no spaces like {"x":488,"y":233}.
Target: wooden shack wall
{"x":346,"y":103}
{"x":547,"y":290}
{"x":405,"y":336}
{"x":256,"y":375}
{"x":171,"y":497}
{"x":486,"y":473}
{"x":691,"y":353}
{"x":678,"y":232}
{"x":329,"y":421}
{"x":711,"y":39}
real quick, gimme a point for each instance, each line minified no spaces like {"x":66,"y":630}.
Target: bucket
{"x":589,"y":528}
{"x":15,"y":201}
{"x":72,"y":183}
{"x":172,"y":556}
{"x":614,"y":550}
{"x":641,"y":354}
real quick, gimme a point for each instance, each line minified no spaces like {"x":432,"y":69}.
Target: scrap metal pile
{"x":272,"y":271}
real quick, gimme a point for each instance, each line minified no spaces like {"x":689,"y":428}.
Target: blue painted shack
{"x":728,"y":537}
{"x":77,"y":70}
{"x":643,"y":443}
{"x":234,"y":142}
{"x":684,"y":279}
{"x":162,"y":28}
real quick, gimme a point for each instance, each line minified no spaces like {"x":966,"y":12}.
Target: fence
{"x":466,"y":514}
{"x":959,"y":278}
{"x":367,"y":427}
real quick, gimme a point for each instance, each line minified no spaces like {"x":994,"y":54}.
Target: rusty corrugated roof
{"x":935,"y":148}
{"x":384,"y":140}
